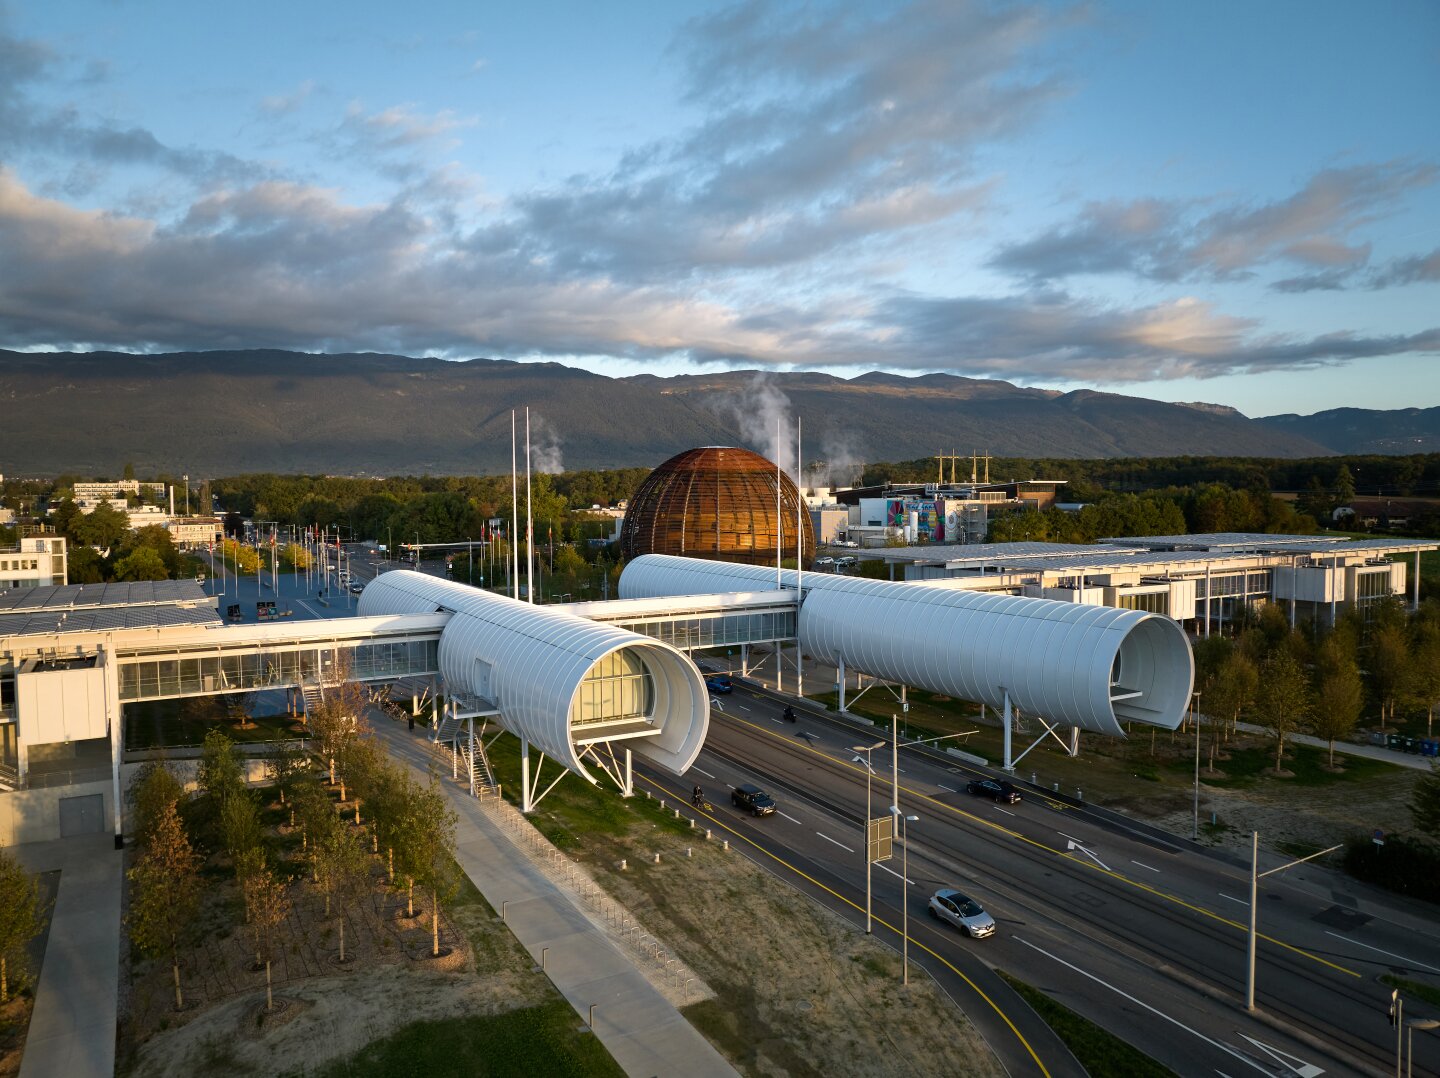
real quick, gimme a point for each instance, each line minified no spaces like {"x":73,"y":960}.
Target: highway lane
{"x":1114,"y":899}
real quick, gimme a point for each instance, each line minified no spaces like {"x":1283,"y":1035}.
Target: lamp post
{"x":867,"y":750}
{"x":1195,"y":715}
{"x":1255,"y":877}
{"x":1412,"y":1024}
{"x":905,"y":896}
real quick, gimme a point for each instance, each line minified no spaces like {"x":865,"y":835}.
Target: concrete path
{"x":645,"y":1033}
{"x":72,"y":1031}
{"x":1350,"y":748}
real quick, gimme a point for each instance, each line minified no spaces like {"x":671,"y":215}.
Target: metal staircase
{"x":313,"y":696}
{"x":482,"y":779}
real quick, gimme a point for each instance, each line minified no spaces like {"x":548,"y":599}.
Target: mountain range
{"x":224,"y":413}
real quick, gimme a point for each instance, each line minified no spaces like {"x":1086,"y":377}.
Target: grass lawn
{"x":1151,"y":763}
{"x":1103,"y":1054}
{"x":574,"y":808}
{"x":533,"y":1041}
{"x":1413,"y":989}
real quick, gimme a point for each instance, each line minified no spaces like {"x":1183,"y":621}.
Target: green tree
{"x":103,"y":527}
{"x":153,"y":790}
{"x":19,"y":921}
{"x":338,"y":867}
{"x":1340,"y":696}
{"x":284,"y":764}
{"x":240,"y":825}
{"x":1390,"y":666}
{"x":426,"y":850}
{"x":165,"y":894}
{"x":220,"y":774}
{"x":143,"y":563}
{"x":1284,"y":701}
{"x":267,"y":904}
{"x":1425,"y":670}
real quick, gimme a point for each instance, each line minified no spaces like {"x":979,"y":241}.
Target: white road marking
{"x":947,"y":789}
{"x":893,"y":873}
{"x":742,"y":707}
{"x":1294,"y":1064}
{"x":1140,"y":1003}
{"x":728,"y":786}
{"x":1232,"y":898}
{"x":787,"y":815}
{"x":1377,"y":950}
{"x":1076,"y":844}
{"x":1143,"y":865}
{"x":842,"y":845}
{"x":704,"y":772}
{"x":1007,"y":812}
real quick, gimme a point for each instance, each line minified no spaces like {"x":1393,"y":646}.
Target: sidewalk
{"x":72,"y":1031}
{"x":645,"y":1033}
{"x":1350,"y":748}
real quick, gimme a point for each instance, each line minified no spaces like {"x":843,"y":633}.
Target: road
{"x":1144,"y":936}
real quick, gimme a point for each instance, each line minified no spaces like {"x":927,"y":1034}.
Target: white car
{"x":962,"y":912}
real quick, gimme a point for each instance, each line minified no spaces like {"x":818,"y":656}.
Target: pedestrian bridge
{"x":180,"y":661}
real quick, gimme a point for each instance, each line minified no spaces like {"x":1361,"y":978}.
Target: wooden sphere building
{"x":717,"y":502}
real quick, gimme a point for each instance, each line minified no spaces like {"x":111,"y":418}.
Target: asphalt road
{"x":1144,"y":936}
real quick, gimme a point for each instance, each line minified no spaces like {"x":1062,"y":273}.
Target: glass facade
{"x":142,"y":679}
{"x":1154,"y":602}
{"x":717,"y":630}
{"x":618,"y":687}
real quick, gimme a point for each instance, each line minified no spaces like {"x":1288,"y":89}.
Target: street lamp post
{"x":1412,"y":1024}
{"x":1196,"y":719}
{"x":867,"y":750}
{"x":905,"y":897}
{"x":1255,"y":877}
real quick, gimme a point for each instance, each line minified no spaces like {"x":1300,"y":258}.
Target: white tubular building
{"x":1088,"y":667}
{"x":560,"y":682}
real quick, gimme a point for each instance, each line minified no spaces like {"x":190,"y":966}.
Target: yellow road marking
{"x":1155,"y":892}
{"x":855,"y":906}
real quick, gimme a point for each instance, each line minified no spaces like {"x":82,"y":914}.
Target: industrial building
{"x":1200,"y":581}
{"x":917,"y":513}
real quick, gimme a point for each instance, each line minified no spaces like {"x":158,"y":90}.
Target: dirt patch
{"x":14,"y":1024}
{"x":797,"y":990}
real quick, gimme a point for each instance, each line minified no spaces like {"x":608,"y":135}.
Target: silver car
{"x":962,"y":912}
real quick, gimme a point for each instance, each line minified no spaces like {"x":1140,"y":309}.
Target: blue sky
{"x":1229,"y":202}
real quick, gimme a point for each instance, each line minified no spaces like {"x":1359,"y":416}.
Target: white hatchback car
{"x":962,"y":912}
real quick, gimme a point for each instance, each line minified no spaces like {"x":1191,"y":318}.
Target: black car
{"x":718,"y":683}
{"x":753,"y":800}
{"x":995,"y":791}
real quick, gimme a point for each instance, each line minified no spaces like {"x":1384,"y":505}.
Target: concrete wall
{"x":34,"y":815}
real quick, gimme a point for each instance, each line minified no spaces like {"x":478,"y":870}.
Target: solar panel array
{"x":74,"y":608}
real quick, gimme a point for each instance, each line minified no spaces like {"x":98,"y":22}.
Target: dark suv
{"x":995,"y":791}
{"x":753,"y":800}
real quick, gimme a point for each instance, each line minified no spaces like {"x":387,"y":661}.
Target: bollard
{"x":504,"y":909}
{"x":1032,"y":779}
{"x":1079,"y":794}
{"x":689,"y":851}
{"x":622,"y":864}
{"x":657,"y":858}
{"x":662,"y":802}
{"x":708,"y":835}
{"x":592,"y":1018}
{"x":677,"y":814}
{"x":647,"y":795}
{"x":544,"y":959}
{"x":724,"y":843}
{"x":1057,"y":787}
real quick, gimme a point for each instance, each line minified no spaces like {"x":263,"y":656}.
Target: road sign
{"x":881,"y":838}
{"x":1378,"y":837}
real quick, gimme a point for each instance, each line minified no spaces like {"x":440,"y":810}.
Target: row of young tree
{"x":382,"y":816}
{"x":1297,"y":680}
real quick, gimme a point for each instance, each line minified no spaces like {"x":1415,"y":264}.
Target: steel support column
{"x":1009,"y":764}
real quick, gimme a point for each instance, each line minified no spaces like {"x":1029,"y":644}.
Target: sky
{"x":1229,"y":202}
